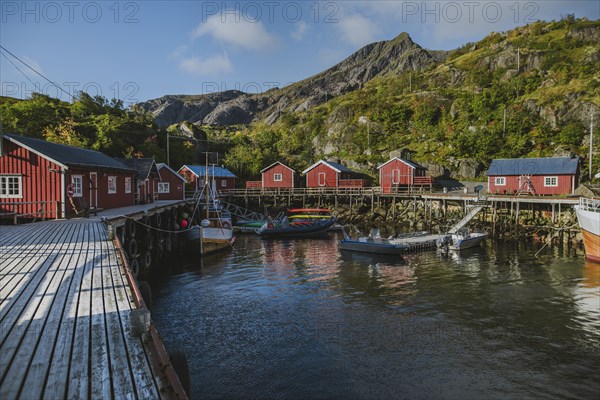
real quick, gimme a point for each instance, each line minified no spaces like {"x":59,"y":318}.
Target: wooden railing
{"x":422,"y":181}
{"x":322,"y":191}
{"x":253,"y":184}
{"x":350,"y":183}
{"x":32,"y":209}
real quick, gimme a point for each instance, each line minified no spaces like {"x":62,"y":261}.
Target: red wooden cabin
{"x":278,"y":175}
{"x":399,"y":172}
{"x":146,"y":178}
{"x":330,"y":174}
{"x":195,"y":175}
{"x":171,"y":185}
{"x":534,"y":176}
{"x":62,"y":179}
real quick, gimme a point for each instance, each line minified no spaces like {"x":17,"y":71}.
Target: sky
{"x":140,"y":50}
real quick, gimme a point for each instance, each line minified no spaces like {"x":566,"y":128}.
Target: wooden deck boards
{"x":64,"y":316}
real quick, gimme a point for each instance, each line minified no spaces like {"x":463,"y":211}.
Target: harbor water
{"x":301,"y":320}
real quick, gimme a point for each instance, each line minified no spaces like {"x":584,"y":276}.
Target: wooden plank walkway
{"x":65,"y":308}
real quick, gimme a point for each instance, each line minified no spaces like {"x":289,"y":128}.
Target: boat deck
{"x":65,"y":310}
{"x":419,"y":242}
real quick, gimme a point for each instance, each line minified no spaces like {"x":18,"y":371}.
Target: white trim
{"x":399,"y":159}
{"x":163,"y":165}
{"x":108,"y":191}
{"x":275,"y":163}
{"x":321,"y":162}
{"x":189,"y":169}
{"x":130,"y":179}
{"x":280,"y":175}
{"x":79,"y":192}
{"x":37,"y":152}
{"x":163,"y":184}
{"x":398,"y":176}
{"x":550,"y":177}
{"x":63,"y":195}
{"x":19,"y":195}
{"x":319,"y":179}
{"x":293,"y":172}
{"x":496,"y":181}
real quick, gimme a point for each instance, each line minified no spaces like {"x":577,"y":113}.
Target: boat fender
{"x":226,"y":225}
{"x":132,"y":249}
{"x":179,"y":363}
{"x":131,"y":228}
{"x":146,"y":262}
{"x":146,"y":292}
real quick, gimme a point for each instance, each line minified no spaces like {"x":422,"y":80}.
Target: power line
{"x":31,"y":68}
{"x":19,"y":69}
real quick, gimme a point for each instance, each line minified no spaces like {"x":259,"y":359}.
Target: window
{"x":77,"y":185}
{"x":10,"y":187}
{"x":112,"y":184}
{"x":164,"y":187}
{"x":277,"y":177}
{"x":224,"y":183}
{"x":395,"y":176}
{"x":127,"y":185}
{"x":500,"y":181}
{"x":551,"y":181}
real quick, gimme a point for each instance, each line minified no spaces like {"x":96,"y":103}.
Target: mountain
{"x":234,"y":107}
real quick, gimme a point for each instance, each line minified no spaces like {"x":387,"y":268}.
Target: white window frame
{"x":4,"y":187}
{"x":163,"y":188}
{"x":223,"y":182}
{"x":395,"y":177}
{"x":128,"y":184}
{"x":549,"y":178}
{"x":500,"y":181}
{"x":112,"y":190}
{"x":277,"y":177}
{"x":77,"y":187}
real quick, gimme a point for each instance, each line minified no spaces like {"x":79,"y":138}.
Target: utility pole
{"x":518,"y":59}
{"x":591,"y":144}
{"x":168,"y":159}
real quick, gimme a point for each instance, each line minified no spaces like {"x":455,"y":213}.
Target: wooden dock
{"x":66,"y":305}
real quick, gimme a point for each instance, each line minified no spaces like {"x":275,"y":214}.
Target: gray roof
{"x":143,"y":166}
{"x":338,"y":166}
{"x":534,"y":166}
{"x":67,"y":155}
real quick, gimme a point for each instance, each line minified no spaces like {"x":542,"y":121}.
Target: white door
{"x":322,"y":178}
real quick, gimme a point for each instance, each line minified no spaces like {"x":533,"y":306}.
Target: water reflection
{"x":302,"y":320}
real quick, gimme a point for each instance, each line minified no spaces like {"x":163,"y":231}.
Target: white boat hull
{"x":460,"y":242}
{"x":588,"y":215}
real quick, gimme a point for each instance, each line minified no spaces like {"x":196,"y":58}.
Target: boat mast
{"x":206,"y":187}
{"x":591,"y":144}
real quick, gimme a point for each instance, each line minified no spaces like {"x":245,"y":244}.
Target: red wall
{"x":105,"y":200}
{"x":512,"y":185}
{"x":312,"y":176}
{"x":406,"y":175}
{"x":287,"y":180}
{"x":41,"y":180}
{"x":176,"y":185}
{"x":198,"y":182}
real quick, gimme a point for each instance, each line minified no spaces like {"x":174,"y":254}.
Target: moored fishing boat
{"x":588,"y":215}
{"x":462,"y":241}
{"x":372,"y":244}
{"x":284,"y":230}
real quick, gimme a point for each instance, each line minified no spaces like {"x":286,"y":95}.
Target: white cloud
{"x":209,"y":66}
{"x":237,"y":31}
{"x":33,"y":64}
{"x":300,"y":31}
{"x":357,"y":29}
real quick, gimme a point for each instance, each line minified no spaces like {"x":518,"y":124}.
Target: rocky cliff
{"x":235,"y":107}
